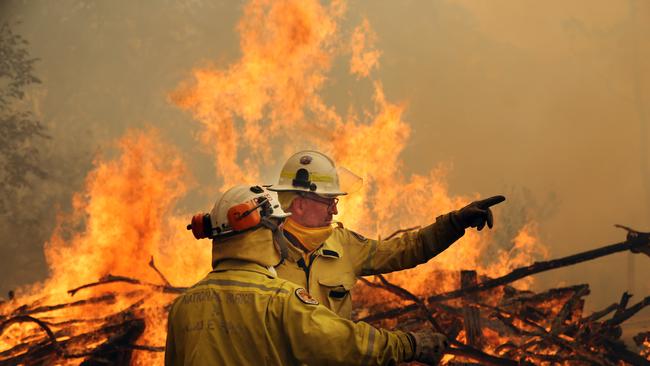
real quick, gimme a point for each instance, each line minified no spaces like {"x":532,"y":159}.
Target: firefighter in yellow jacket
{"x":243,"y":314}
{"x":327,"y":260}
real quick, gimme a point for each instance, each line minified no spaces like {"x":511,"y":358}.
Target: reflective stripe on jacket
{"x":334,"y":267}
{"x":241,"y":314}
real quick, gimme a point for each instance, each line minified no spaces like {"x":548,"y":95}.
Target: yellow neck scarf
{"x":309,"y":237}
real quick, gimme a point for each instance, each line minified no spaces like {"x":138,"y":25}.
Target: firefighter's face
{"x":311,"y":210}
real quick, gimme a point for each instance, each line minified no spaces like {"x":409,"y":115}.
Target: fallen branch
{"x":623,"y":315}
{"x":538,"y":267}
{"x":41,"y":324}
{"x":119,"y":338}
{"x":109,"y":278}
{"x":162,"y":276}
{"x":141,"y":347}
{"x":599,"y":314}
{"x":117,"y":350}
{"x":107,"y":298}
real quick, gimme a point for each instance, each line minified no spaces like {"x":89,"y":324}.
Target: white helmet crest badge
{"x":305,"y":159}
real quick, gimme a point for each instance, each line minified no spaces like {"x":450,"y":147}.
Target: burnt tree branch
{"x":114,"y":279}
{"x":162,"y":276}
{"x":631,"y":243}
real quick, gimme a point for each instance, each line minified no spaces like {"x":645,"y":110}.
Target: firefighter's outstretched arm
{"x":416,"y":247}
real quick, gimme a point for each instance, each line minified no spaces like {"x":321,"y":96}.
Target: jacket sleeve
{"x":318,"y":336}
{"x":405,"y":251}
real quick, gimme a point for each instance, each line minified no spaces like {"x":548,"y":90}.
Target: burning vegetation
{"x":120,"y":258}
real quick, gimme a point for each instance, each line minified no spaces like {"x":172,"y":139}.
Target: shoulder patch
{"x":359,"y":236}
{"x":305,"y":297}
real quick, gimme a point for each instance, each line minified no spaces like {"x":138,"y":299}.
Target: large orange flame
{"x":365,"y":56}
{"x":122,"y":219}
{"x":125,"y":208}
{"x":287,"y":47}
{"x":269,"y":104}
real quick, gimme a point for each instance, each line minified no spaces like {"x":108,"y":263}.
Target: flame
{"x":287,"y":47}
{"x":526,"y":246}
{"x":126,"y":211}
{"x":364,"y":56}
{"x":273,"y":93}
{"x":122,"y":206}
{"x":253,"y":113}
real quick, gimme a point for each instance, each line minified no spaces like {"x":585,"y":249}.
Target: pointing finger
{"x":477,"y":216}
{"x":480,"y":219}
{"x":490,"y":201}
{"x":490,"y":218}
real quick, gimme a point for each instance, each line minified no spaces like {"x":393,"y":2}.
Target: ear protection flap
{"x":244,"y":216}
{"x":201,"y":226}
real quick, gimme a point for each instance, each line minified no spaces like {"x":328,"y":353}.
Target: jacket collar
{"x":240,"y":265}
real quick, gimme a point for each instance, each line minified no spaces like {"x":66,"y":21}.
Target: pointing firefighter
{"x":241,"y":313}
{"x":327,"y":260}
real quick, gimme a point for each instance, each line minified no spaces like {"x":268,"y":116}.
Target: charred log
{"x":117,"y":349}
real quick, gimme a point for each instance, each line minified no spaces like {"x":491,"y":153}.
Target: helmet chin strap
{"x":279,"y":241}
{"x":269,"y":223}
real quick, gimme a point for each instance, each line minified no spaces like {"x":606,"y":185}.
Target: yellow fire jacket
{"x":332,"y":270}
{"x":242,"y":314}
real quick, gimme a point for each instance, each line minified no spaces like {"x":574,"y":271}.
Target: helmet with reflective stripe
{"x":309,"y":171}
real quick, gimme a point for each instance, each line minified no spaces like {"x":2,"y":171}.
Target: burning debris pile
{"x":488,"y":322}
{"x":492,"y":323}
{"x":48,"y":334}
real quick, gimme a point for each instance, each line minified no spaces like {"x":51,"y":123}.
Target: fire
{"x":526,"y":246}
{"x":274,"y":93}
{"x":124,"y":208}
{"x":253,"y":113}
{"x":287,"y":48}
{"x":127,"y":211}
{"x":364,"y":56}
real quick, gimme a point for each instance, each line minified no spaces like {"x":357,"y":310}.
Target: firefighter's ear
{"x":298,"y":206}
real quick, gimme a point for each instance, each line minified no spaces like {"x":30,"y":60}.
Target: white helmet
{"x":239,"y":209}
{"x":312,"y":171}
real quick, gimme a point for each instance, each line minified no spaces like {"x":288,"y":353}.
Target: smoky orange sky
{"x":545,"y":102}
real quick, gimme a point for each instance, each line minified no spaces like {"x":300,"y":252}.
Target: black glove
{"x":476,"y":214}
{"x":429,"y":346}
